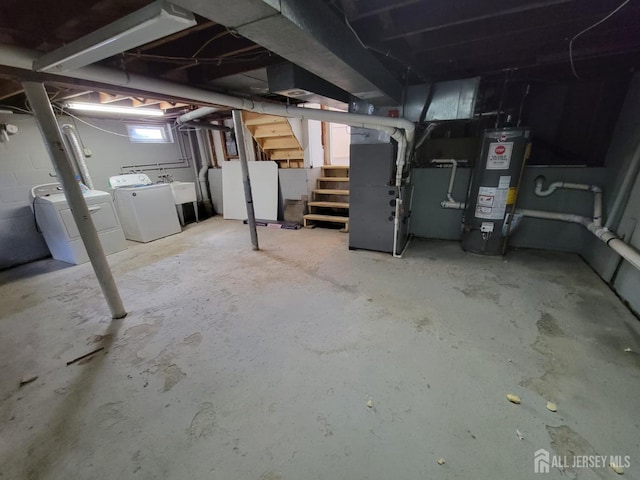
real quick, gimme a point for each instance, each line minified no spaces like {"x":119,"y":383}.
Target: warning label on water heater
{"x":499,"y":157}
{"x":492,"y":203}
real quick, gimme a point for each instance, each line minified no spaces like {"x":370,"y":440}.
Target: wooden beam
{"x":109,"y":98}
{"x":177,"y":35}
{"x":9,"y":88}
{"x":383,"y":9}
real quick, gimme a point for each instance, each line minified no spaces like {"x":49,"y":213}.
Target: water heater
{"x":493,"y":190}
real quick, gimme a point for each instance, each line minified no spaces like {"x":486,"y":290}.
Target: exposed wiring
{"x":573,"y":68}
{"x":233,"y":33}
{"x":23,"y":110}
{"x":63,"y":111}
{"x":204,"y":45}
{"x":387,"y":53}
{"x":196,"y":61}
{"x":346,"y":20}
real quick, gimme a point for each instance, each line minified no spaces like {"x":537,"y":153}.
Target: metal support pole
{"x":53,"y":140}
{"x":246,"y":181}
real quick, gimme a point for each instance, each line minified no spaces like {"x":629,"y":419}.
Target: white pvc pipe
{"x":627,"y":252}
{"x":541,"y":192}
{"x":453,"y":204}
{"x":192,"y":115}
{"x":594,"y":225}
{"x":204,"y":166}
{"x":563,"y":217}
{"x":22,"y":58}
{"x":625,"y":190}
{"x":452,"y":177}
{"x":597,"y":208}
{"x":395,"y":127}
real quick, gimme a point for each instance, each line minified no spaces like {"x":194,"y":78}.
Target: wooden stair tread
{"x":328,"y":204}
{"x":335,"y":167}
{"x":333,"y":179}
{"x":284,"y":154}
{"x":326,"y":218}
{"x":328,"y":191}
{"x":282,"y":142}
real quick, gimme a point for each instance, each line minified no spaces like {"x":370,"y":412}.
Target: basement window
{"x":149,"y":133}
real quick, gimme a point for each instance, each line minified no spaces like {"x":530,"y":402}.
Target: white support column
{"x":246,"y":181}
{"x":53,"y":140}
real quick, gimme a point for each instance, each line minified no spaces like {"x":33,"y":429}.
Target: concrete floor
{"x":236,"y":364}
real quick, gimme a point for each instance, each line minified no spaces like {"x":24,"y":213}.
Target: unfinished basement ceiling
{"x":441,"y":39}
{"x":414,"y":40}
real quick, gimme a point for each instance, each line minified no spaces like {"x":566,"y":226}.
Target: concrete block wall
{"x":430,"y":220}
{"x":24,"y":163}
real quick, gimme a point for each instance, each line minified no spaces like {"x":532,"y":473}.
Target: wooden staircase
{"x":331,"y":199}
{"x":275,"y":138}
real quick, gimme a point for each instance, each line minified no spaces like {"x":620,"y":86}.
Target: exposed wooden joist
{"x":220,"y":58}
{"x":456,"y":20}
{"x":178,"y":35}
{"x":382,"y":9}
{"x":9,"y":88}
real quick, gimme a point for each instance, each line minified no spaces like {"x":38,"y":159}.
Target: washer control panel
{"x":129,"y":180}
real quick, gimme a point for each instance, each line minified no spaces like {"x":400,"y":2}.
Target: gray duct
{"x":310,"y":35}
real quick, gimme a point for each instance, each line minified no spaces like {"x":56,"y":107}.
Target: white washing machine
{"x":147,"y":210}
{"x":54,"y":218}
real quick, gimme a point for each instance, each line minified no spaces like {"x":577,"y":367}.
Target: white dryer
{"x":54,"y":218}
{"x":147,"y":210}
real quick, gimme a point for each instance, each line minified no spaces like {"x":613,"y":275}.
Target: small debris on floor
{"x":552,"y":407}
{"x":28,"y":379}
{"x":513,"y":398}
{"x":370,"y":403}
{"x":441,"y":461}
{"x":628,"y":350}
{"x":82,"y":357}
{"x":617,"y":468}
{"x":520,"y":436}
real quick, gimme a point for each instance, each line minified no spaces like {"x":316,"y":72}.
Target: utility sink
{"x":183,"y":192}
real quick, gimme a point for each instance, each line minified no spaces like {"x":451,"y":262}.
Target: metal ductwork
{"x":310,"y":35}
{"x":294,"y":82}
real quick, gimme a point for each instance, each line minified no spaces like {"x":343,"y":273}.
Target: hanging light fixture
{"x":115,"y":109}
